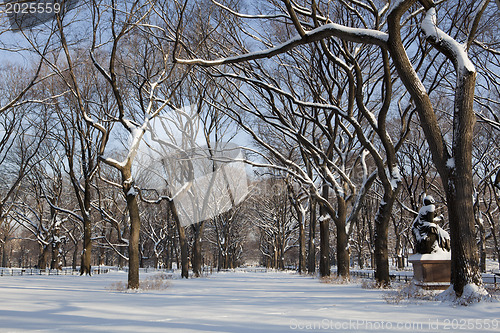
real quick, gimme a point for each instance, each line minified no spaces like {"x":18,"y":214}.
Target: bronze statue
{"x":429,"y":236}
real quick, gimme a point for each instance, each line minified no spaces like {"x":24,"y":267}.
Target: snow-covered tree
{"x":390,"y":28}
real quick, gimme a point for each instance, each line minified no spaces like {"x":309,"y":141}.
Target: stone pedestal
{"x":431,"y":271}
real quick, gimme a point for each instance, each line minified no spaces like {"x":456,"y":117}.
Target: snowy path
{"x":223,"y":302}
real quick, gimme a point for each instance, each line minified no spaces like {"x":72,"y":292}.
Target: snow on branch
{"x":491,"y":122}
{"x":455,"y":51}
{"x":367,"y":36}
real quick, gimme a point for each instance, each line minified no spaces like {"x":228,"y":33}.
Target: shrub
{"x":155,"y":282}
{"x":335,"y":279}
{"x":409,"y":292}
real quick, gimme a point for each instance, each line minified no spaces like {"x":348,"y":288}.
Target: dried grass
{"x":373,"y":284}
{"x":409,"y":293}
{"x":117,"y":286}
{"x":493,"y":290}
{"x":335,"y":279}
{"x":152,"y":283}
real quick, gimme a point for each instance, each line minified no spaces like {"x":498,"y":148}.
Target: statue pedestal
{"x":432,"y":271}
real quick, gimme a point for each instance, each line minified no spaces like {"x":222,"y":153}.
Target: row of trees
{"x":275,"y":227}
{"x":372,"y":56}
{"x":346,"y":107}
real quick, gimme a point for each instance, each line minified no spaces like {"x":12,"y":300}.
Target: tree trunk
{"x":3,"y":248}
{"x":182,"y":242}
{"x":184,"y":252}
{"x":174,"y":249}
{"x":311,"y":254}
{"x":3,"y":244}
{"x":482,"y":261}
{"x":342,"y":252}
{"x":302,"y":243}
{"x":102,"y":253}
{"x":43,"y":260}
{"x":324,"y":261}
{"x":197,"y":247}
{"x":382,"y":220}
{"x":75,"y":257}
{"x":121,"y":249}
{"x":457,"y":180}
{"x":56,"y":262}
{"x":459,"y":189}
{"x":359,"y":244}
{"x":324,"y":233}
{"x":226,"y":255}
{"x":361,"y":261}
{"x":135,"y":227}
{"x":85,"y":266}
{"x":169,"y":253}
{"x":156,"y":261}
{"x":343,"y":259}
{"x":401,"y":264}
{"x":464,"y":254}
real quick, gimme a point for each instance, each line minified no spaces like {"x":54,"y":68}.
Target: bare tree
{"x":486,"y":155}
{"x":42,"y":209}
{"x":77,"y":138}
{"x":454,"y":165}
{"x":141,"y":86}
{"x":273,"y":215}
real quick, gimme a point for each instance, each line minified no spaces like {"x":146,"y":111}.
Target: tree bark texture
{"x":324,"y":234}
{"x":135,"y":227}
{"x":182,"y":242}
{"x":302,"y":244}
{"x":343,"y":258}
{"x":382,"y":220}
{"x":86,"y":258}
{"x":197,"y":255}
{"x":311,"y":253}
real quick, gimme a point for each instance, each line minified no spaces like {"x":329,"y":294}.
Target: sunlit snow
{"x":242,"y":301}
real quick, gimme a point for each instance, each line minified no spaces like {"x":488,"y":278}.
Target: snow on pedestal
{"x":432,"y":270}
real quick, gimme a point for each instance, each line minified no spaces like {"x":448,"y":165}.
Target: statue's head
{"x":429,"y":200}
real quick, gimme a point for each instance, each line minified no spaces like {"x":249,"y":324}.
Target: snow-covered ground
{"x":241,"y":301}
